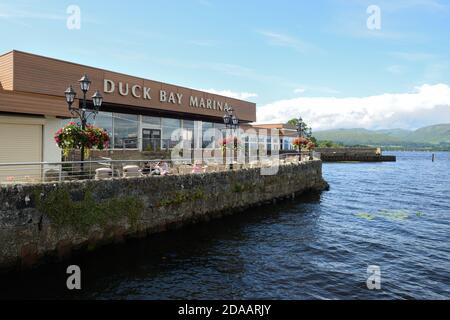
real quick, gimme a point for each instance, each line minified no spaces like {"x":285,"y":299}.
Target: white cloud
{"x":396,"y":69}
{"x":413,"y":56}
{"x":426,"y":105}
{"x":202,"y":43}
{"x":315,"y":90}
{"x":299,"y":90}
{"x":231,"y":94}
{"x":284,"y":40}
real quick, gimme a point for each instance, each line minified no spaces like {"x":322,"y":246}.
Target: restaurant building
{"x":286,"y":133}
{"x":139,"y":114}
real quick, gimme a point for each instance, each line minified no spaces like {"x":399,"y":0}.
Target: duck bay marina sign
{"x":164,"y":96}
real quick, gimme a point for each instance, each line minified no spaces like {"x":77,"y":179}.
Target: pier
{"x":354,"y":154}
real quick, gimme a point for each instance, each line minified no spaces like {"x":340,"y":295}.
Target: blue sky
{"x":290,"y":57}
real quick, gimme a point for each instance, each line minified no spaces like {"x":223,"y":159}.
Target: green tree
{"x":293,"y":122}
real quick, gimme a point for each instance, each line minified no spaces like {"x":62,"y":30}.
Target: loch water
{"x":394,"y":216}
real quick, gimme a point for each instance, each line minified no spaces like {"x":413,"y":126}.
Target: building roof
{"x":27,"y":76}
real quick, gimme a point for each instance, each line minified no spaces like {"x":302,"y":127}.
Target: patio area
{"x":105,"y":168}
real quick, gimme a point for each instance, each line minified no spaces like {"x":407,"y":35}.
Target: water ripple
{"x":394,"y":215}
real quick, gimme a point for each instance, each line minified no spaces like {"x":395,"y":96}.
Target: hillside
{"x":435,"y":136}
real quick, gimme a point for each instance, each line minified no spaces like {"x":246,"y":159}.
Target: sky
{"x":336,"y":63}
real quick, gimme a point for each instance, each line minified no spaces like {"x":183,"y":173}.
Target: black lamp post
{"x":82,"y":112}
{"x":227,"y":117}
{"x":231,"y":121}
{"x":301,"y":127}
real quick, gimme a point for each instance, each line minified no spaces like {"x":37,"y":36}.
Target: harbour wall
{"x":48,"y":222}
{"x":353,"y":154}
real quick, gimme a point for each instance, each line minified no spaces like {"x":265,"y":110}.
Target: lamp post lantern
{"x":234,"y":121}
{"x":82,"y":112}
{"x":227,"y":119}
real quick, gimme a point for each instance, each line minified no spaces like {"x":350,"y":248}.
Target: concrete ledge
{"x":52,"y":220}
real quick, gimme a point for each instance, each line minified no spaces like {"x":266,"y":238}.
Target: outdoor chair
{"x":184,"y":169}
{"x":253,"y":164}
{"x":103,"y":173}
{"x":212,"y":168}
{"x":131,"y":171}
{"x":237,"y":166}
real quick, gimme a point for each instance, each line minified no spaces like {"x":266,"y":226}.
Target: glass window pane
{"x":104,"y":120}
{"x":219,"y":126}
{"x":151,"y":120}
{"x":125,"y":131}
{"x":188,"y":124}
{"x":65,"y":122}
{"x":173,"y":123}
{"x":208,"y":140}
{"x":168,"y":127}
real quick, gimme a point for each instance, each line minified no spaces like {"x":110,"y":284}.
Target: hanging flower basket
{"x":230,"y":142}
{"x":303,"y":144}
{"x":96,"y":138}
{"x":72,"y":136}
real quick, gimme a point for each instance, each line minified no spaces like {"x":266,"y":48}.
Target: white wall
{"x":51,"y":152}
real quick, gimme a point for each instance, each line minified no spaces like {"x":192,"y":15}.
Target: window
{"x":207,"y":139}
{"x":219,"y":126}
{"x":188,"y":133}
{"x":65,"y":122}
{"x":168,"y":127}
{"x":269,"y":144}
{"x":104,"y":120}
{"x":125,"y":128}
{"x":156,"y":121}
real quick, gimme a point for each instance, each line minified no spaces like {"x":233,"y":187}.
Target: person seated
{"x":197,"y":168}
{"x":147,"y":168}
{"x":161,"y":168}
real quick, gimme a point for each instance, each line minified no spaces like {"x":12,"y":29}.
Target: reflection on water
{"x":394,"y":215}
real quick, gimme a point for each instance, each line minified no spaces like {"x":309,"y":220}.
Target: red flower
{"x":300,"y":141}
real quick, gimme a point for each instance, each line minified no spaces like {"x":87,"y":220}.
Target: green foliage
{"x":329,"y":144}
{"x":82,"y":215}
{"x":238,"y":188}
{"x":182,"y":196}
{"x":243,"y":187}
{"x":398,"y":215}
{"x":436,"y":137}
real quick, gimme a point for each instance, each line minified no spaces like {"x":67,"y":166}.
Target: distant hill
{"x":436,"y":136}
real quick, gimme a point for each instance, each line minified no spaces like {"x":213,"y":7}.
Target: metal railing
{"x":56,"y":172}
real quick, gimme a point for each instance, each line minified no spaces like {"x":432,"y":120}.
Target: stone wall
{"x":51,"y":220}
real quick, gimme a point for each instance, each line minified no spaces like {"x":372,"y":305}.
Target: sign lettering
{"x":142,"y":92}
